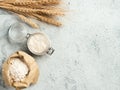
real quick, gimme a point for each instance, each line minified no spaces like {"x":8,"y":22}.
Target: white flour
{"x":18,"y":70}
{"x":38,"y":43}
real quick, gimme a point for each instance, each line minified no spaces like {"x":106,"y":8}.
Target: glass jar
{"x":17,"y":33}
{"x":39,"y":44}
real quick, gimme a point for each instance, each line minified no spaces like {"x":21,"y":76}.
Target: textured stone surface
{"x":87,"y":55}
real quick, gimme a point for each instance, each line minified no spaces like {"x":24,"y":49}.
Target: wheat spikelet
{"x":33,"y":6}
{"x":51,"y":12}
{"x":28,"y":21}
{"x":50,"y":7}
{"x":46,"y":2}
{"x":21,"y":3}
{"x":19,"y":9}
{"x":38,"y":2}
{"x":42,"y":7}
{"x":47,"y":20}
{"x":8,"y":1}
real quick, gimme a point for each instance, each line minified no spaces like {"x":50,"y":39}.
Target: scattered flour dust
{"x":18,"y":70}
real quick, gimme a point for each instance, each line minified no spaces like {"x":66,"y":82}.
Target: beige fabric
{"x":31,"y":77}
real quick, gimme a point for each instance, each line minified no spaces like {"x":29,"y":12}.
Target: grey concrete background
{"x":87,"y":55}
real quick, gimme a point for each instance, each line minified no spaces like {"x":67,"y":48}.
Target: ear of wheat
{"x":47,"y":20}
{"x":28,"y":21}
{"x":43,"y":10}
{"x":40,"y":2}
